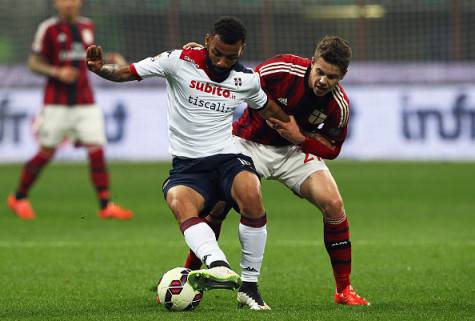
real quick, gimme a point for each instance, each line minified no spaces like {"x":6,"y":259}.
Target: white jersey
{"x":200,"y":111}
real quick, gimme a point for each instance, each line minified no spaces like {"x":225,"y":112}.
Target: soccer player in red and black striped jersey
{"x":310,"y":92}
{"x":58,"y":52}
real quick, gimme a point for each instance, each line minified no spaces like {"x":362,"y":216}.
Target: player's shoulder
{"x":84,"y":21}
{"x":341,"y":103}
{"x":48,"y":23}
{"x":195,"y":56}
{"x":284,"y":64}
{"x":241,"y":73}
{"x":240,"y":68}
{"x":339,"y":94}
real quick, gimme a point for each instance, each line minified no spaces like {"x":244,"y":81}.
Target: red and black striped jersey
{"x":285,"y":79}
{"x":61,"y":44}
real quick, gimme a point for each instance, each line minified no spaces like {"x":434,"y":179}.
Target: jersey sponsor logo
{"x":75,"y":53}
{"x":316,"y":117}
{"x":283,"y":101}
{"x":210,"y":89}
{"x":211,"y":105}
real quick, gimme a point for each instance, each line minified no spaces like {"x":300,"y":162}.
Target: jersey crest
{"x":316,"y":117}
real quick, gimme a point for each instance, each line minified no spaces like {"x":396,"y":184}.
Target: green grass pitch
{"x":412,"y":230}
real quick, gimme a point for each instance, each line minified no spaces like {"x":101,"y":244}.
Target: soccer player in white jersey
{"x":204,"y":87}
{"x":308,"y":90}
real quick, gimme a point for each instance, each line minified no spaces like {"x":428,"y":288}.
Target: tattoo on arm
{"x":109,"y":72}
{"x":116,"y":73}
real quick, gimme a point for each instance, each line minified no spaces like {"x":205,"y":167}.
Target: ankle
{"x":219,"y":263}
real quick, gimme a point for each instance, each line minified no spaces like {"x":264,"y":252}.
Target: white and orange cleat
{"x":349,"y":297}
{"x":22,"y":208}
{"x":114,"y":211}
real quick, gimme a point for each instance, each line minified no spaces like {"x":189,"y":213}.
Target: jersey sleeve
{"x":163,"y":65}
{"x":41,"y":43}
{"x":257,"y":98}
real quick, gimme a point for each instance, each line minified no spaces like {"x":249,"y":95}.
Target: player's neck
{"x":68,"y":19}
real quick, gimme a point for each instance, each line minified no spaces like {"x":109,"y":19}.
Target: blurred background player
{"x":309,"y":91}
{"x":204,"y":88}
{"x":69,"y":109}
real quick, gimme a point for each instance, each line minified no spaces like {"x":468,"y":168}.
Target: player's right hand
{"x":67,"y":74}
{"x":94,"y":58}
{"x":193,"y":45}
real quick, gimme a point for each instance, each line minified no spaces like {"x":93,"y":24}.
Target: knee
{"x":174,"y":204}
{"x":178,"y":207}
{"x":250,"y":203}
{"x":333,"y":207}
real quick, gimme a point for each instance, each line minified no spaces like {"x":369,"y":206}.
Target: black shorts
{"x":210,"y":176}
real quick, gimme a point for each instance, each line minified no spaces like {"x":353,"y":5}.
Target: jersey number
{"x":309,"y":157}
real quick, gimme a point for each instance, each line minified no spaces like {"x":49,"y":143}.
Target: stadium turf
{"x":412,"y":234}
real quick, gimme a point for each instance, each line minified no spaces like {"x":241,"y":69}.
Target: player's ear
{"x":207,"y":39}
{"x":241,"y":51}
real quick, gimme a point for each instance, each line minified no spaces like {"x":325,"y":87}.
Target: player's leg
{"x":100,"y":180}
{"x":253,"y":250}
{"x":52,"y":126}
{"x":214,"y":219}
{"x":321,"y":190}
{"x":18,"y":202}
{"x":308,"y":176}
{"x":186,"y":196}
{"x":218,"y":213}
{"x":246,"y":192}
{"x":89,"y":131}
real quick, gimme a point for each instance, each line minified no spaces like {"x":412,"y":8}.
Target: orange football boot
{"x":349,"y":297}
{"x":114,"y":211}
{"x":22,"y":208}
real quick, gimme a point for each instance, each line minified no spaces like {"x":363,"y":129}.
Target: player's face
{"x":323,"y":76}
{"x":223,"y":56}
{"x":68,"y":9}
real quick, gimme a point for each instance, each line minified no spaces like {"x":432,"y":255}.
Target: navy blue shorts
{"x":210,"y":176}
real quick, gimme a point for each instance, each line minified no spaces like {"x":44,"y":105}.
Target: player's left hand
{"x":289,"y":130}
{"x":94,"y":58}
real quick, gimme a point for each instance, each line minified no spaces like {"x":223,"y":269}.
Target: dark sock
{"x":99,"y":175}
{"x":30,"y":173}
{"x":338,"y":245}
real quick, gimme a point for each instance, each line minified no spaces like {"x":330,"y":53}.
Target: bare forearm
{"x":272,"y":110}
{"x":116,"y":73}
{"x":39,"y":66}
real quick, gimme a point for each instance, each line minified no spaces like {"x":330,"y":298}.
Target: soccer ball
{"x":175,"y":293}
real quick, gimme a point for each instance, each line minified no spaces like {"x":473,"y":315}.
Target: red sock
{"x":337,"y":242}
{"x":30,"y":173}
{"x":192,"y":261}
{"x":99,"y":175}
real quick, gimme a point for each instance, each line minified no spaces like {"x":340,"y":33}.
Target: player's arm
{"x":113,"y":72}
{"x":320,"y":145}
{"x":38,"y":64}
{"x":272,"y":110}
{"x":312,"y":143}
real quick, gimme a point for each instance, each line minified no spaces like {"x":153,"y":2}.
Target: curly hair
{"x":334,"y":50}
{"x":230,"y":30}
